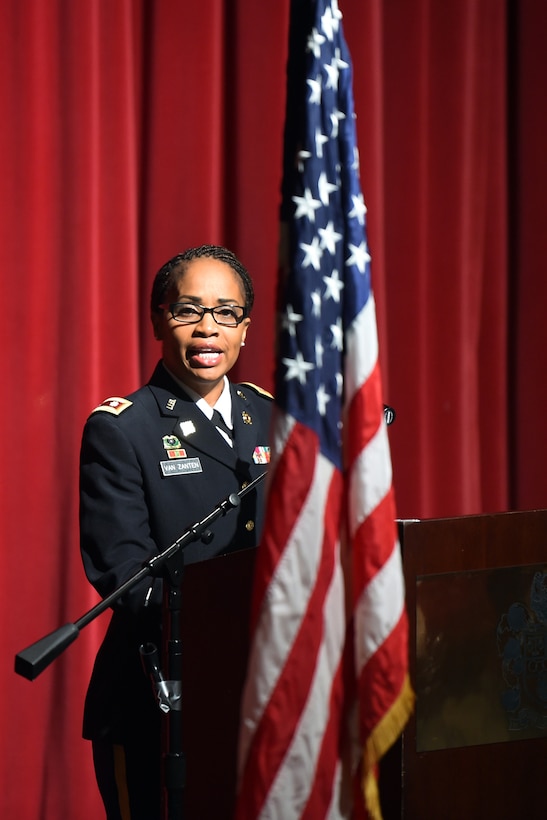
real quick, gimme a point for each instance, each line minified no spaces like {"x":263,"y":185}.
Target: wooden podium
{"x":216,"y":597}
{"x":477,"y":603}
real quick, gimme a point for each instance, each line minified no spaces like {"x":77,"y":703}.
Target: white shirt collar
{"x":223,"y":403}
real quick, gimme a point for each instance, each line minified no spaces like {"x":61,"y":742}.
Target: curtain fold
{"x":445,"y":241}
{"x":69,"y":169}
{"x":132,"y":130}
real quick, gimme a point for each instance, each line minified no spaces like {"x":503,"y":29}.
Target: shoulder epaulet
{"x":114,"y":405}
{"x":257,"y":389}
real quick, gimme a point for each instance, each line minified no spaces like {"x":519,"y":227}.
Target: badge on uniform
{"x":187,"y":427}
{"x":172,"y":446}
{"x":261,"y":455}
{"x":114,"y":405}
{"x":246,"y":418}
{"x":170,"y":442}
{"x":182,"y":466}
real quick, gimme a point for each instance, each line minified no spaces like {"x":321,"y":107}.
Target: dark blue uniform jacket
{"x":152,"y":465}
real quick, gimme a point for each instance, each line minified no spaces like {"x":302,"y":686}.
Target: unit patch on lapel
{"x":114,"y":405}
{"x":261,"y":455}
{"x":170,"y":405}
{"x":170,"y":442}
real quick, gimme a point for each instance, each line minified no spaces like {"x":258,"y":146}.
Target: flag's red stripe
{"x":365,"y":414}
{"x":275,"y":731}
{"x":293,"y":473}
{"x":382,"y":678}
{"x":373,"y":543}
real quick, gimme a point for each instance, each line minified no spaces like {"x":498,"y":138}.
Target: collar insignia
{"x":187,"y":428}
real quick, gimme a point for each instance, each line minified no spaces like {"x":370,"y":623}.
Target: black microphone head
{"x":389,"y":414}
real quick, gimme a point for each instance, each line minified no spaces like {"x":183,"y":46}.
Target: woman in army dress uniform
{"x":152,"y":464}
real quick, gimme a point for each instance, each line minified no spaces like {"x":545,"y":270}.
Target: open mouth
{"x":205,"y":357}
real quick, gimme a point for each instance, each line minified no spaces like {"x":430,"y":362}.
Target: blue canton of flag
{"x":330,"y":263}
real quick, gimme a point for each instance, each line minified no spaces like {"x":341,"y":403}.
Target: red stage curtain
{"x":131,"y":130}
{"x":446,"y":246}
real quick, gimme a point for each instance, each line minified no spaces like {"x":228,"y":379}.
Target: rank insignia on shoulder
{"x":261,"y":455}
{"x":114,"y":405}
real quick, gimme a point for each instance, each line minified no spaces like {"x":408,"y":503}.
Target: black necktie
{"x":218,"y":421}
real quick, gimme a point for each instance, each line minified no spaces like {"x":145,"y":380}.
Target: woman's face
{"x":201,"y":354}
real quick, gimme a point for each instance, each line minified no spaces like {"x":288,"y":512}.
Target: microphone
{"x":389,"y":414}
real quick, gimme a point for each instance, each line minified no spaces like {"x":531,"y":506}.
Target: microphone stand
{"x":30,"y":662}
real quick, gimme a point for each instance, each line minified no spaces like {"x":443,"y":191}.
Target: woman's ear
{"x":244,"y":335}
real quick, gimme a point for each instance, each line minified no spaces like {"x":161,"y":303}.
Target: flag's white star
{"x":297,"y":368}
{"x":355,"y":163}
{"x":334,"y":286}
{"x":301,"y":156}
{"x":329,"y":24}
{"x":312,"y":254}
{"x":325,"y":188}
{"x":335,"y":118}
{"x":323,"y":399}
{"x":339,"y":62}
{"x":336,"y":12}
{"x":333,"y":72}
{"x":290,"y":320}
{"x":339,"y":384}
{"x":359,"y":256}
{"x":337,"y":335}
{"x":306,"y":205}
{"x":320,"y":140}
{"x":319,"y":351}
{"x":315,"y":96}
{"x":359,"y":208}
{"x":316,"y":303}
{"x":329,"y":238}
{"x":315,"y":41}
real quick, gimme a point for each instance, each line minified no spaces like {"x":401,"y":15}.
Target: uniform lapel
{"x":245,"y":423}
{"x":200,"y":433}
{"x":190,"y":425}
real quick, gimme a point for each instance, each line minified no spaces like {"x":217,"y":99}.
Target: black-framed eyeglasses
{"x":189,"y":313}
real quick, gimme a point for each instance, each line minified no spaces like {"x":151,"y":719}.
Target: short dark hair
{"x":169,"y":274}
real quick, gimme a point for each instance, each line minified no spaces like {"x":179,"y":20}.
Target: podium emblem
{"x":522,"y":646}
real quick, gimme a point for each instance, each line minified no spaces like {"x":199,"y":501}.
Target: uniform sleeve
{"x":115,"y":537}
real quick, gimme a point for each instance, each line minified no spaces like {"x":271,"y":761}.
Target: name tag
{"x":181,"y":466}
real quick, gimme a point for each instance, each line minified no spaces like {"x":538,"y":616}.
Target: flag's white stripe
{"x":291,"y":789}
{"x":370,"y":480}
{"x":361,"y":340}
{"x":285,"y":603}
{"x":340,"y":807}
{"x":282,"y":428}
{"x":379,"y":608}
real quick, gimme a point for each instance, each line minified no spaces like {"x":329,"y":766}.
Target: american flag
{"x":327,"y":688}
